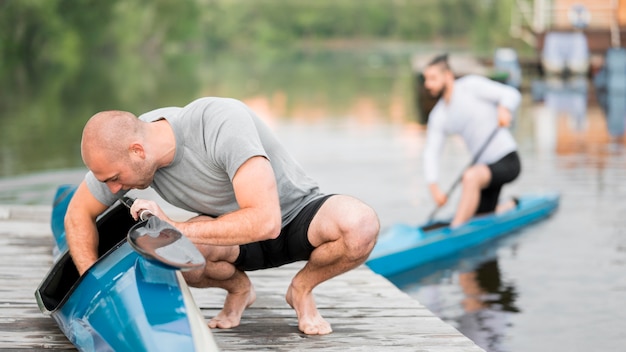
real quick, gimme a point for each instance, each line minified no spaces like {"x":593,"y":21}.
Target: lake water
{"x":558,"y":285}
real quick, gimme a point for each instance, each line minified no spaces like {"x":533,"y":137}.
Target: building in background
{"x":570,"y":35}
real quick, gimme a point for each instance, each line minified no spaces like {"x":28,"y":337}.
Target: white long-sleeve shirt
{"x":471,"y":113}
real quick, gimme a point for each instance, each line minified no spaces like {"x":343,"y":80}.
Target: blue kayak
{"x":124,"y":302}
{"x":403,"y":247}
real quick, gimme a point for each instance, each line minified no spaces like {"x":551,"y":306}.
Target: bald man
{"x":257,"y":208}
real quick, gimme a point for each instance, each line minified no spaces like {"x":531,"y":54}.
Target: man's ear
{"x":137,"y":150}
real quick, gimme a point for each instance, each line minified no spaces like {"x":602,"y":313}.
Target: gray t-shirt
{"x":214,"y":137}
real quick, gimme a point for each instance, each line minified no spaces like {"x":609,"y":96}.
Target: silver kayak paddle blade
{"x":159,"y":241}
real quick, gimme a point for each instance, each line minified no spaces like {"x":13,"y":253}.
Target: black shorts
{"x":503,"y":171}
{"x":291,"y":245}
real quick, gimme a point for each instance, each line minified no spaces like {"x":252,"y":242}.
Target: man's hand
{"x":141,"y":205}
{"x":504,"y":117}
{"x":439,"y":197}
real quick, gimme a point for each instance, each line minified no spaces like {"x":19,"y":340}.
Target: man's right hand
{"x":439,"y":197}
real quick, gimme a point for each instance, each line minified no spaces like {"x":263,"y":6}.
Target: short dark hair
{"x":441,"y":61}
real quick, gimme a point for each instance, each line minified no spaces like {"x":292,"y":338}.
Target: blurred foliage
{"x":64,"y":33}
{"x":63,"y":60}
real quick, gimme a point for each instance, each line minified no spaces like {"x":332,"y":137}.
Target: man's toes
{"x":316,"y":329}
{"x":220,"y":324}
{"x":309,"y":330}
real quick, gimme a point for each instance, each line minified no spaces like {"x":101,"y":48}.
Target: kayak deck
{"x":403,"y":246}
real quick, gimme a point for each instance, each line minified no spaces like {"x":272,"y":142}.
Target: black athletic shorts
{"x":503,"y":171}
{"x":291,"y":245}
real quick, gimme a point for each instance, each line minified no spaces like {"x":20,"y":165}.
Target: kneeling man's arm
{"x":81,"y":232}
{"x":258,"y":217}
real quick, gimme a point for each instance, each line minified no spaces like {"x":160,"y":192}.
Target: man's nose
{"x":114,"y":186}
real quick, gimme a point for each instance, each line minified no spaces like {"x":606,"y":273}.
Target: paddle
{"x":159,"y":241}
{"x":458,"y":180}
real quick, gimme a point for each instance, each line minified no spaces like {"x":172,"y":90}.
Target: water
{"x":558,"y":285}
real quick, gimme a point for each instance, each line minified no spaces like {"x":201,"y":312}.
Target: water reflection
{"x":487,"y":305}
{"x":468,"y":291}
{"x":567,"y":119}
{"x":568,"y":96}
{"x":42,"y":117}
{"x":609,"y":83}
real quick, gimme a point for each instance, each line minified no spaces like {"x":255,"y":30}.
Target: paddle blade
{"x":157,"y":240}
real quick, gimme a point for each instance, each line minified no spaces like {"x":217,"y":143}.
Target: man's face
{"x":133,"y":173}
{"x":435,"y":80}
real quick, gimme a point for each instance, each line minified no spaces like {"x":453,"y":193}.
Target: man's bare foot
{"x":310,"y":321}
{"x":506,"y":206}
{"x":234,"y":305}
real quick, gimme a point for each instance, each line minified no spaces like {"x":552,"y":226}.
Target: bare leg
{"x":240,"y":296}
{"x":219,"y":272}
{"x":475,"y":179}
{"x":344,"y":232}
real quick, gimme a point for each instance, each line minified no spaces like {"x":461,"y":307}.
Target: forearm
{"x":239,"y":227}
{"x":435,"y":192}
{"x":82,"y":240}
{"x":434,"y":188}
{"x":81,"y":232}
{"x":439,"y":197}
{"x":505,"y":116}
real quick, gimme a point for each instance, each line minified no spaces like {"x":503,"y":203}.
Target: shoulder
{"x":215,"y":104}
{"x":471,"y":80}
{"x":153,"y":115}
{"x":217,"y":109}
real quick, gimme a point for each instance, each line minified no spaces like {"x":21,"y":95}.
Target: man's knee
{"x":477,"y":175}
{"x":360,"y":231}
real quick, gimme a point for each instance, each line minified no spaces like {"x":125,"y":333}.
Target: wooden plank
{"x":366,"y":311}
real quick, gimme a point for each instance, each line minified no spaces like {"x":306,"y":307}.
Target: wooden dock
{"x":366,"y":311}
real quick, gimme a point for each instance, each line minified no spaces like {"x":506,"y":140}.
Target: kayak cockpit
{"x":63,"y":277}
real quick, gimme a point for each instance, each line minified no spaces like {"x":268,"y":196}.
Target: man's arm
{"x":258,"y":217}
{"x":437,"y":194}
{"x":504,"y":116}
{"x":435,"y":138}
{"x":500,"y":94}
{"x":506,"y":98}
{"x":80,"y":227}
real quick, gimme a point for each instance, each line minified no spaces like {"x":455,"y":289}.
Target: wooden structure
{"x":604,"y":21}
{"x":367,"y":312}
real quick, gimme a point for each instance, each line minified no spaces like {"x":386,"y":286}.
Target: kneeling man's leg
{"x":343,"y":232}
{"x":221,"y":272}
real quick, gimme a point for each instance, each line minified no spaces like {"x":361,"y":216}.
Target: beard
{"x":144,"y":173}
{"x":438,"y":93}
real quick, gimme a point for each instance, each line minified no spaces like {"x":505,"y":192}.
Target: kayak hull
{"x":123,"y":302}
{"x":403,"y":247}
